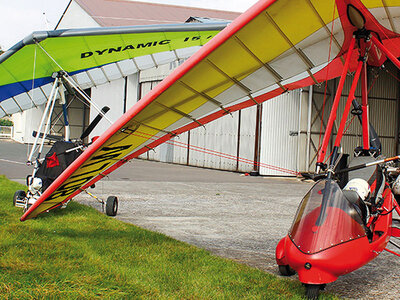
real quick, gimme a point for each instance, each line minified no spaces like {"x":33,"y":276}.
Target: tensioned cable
{"x":34,"y":72}
{"x":232,"y":157}
{"x":61,"y":68}
{"x":351,"y":121}
{"x":215,"y":153}
{"x":344,"y":132}
{"x":58,"y":118}
{"x":326,"y":78}
{"x":372,"y":84}
{"x":33,"y":96}
{"x":72,"y":82}
{"x":75,"y":85}
{"x":394,"y":76}
{"x":378,"y":25}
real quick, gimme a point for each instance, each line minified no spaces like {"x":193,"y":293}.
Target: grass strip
{"x":79,"y":253}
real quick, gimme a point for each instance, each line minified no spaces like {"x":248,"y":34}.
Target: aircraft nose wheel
{"x":111,"y":206}
{"x":286,"y":270}
{"x":312,"y":290}
{"x":19,"y":198}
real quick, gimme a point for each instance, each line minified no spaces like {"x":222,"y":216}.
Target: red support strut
{"x":386,"y":51}
{"x":336,"y":101}
{"x":365,"y":112}
{"x":348,"y":104}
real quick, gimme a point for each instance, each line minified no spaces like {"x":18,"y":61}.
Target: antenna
{"x":46,"y":21}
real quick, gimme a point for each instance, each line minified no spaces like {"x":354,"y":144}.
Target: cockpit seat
{"x":373,"y":175}
{"x":358,"y":204}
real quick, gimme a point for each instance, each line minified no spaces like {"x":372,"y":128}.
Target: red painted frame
{"x":348,"y":104}
{"x":325,"y":266}
{"x":364,"y":105}
{"x":332,"y":116}
{"x":331,"y":263}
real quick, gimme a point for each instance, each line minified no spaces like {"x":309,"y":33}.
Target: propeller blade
{"x":94,"y":123}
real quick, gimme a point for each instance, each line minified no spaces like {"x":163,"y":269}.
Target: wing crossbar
{"x":204,"y":95}
{"x":233,"y":80}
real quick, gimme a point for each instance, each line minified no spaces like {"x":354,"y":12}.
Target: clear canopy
{"x":325,"y":218}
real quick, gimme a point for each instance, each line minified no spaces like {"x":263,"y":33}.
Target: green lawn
{"x":81,"y":253}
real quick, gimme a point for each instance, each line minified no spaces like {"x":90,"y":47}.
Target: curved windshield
{"x":325,"y":218}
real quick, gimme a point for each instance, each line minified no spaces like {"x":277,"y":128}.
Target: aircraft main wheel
{"x":312,"y":291}
{"x":286,"y":270}
{"x":18,"y":195}
{"x":111,"y":206}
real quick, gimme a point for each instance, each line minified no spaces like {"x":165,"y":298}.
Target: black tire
{"x":111,"y":206}
{"x":312,"y":291}
{"x":286,"y":270}
{"x":20,"y":195}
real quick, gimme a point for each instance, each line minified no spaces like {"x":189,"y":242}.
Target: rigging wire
{"x":372,"y":84}
{"x":326,"y":78}
{"x":369,"y":90}
{"x":33,"y":92}
{"x":72,"y":82}
{"x":48,"y":55}
{"x":394,"y":76}
{"x":58,"y":118}
{"x":215,"y":153}
{"x":378,"y":25}
{"x":344,"y":132}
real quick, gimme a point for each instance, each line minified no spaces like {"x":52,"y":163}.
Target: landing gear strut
{"x":312,"y":290}
{"x":111,"y":204}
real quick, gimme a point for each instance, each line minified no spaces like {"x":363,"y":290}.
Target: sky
{"x":19,"y":18}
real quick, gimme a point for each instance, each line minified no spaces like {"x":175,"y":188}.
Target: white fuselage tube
{"x":46,"y":111}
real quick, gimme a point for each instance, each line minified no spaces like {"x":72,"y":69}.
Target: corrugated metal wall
{"x":284,"y":129}
{"x":383,"y":111}
{"x":180,"y":148}
{"x":217,"y":145}
{"x":247,"y":138}
{"x":213,"y":146}
{"x":280,"y":139}
{"x":145,"y":87}
{"x":220,"y":136}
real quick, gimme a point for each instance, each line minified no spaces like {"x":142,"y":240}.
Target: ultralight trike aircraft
{"x":275,"y":46}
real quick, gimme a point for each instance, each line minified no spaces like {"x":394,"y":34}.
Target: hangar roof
{"x":124,"y":12}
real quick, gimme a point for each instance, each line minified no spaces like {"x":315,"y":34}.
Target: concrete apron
{"x":241,"y":218}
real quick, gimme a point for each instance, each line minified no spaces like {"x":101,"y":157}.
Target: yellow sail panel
{"x":274,"y":46}
{"x":234,"y":56}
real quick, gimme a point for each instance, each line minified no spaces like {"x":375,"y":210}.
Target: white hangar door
{"x":280,"y":135}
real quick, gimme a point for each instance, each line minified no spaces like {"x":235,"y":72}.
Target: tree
{"x":6,"y":122}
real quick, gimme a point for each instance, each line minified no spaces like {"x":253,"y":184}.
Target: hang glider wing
{"x":92,"y":56}
{"x":273,"y":47}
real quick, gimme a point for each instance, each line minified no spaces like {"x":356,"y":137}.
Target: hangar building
{"x":278,"y":137}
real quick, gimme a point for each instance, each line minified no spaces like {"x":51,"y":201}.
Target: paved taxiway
{"x":234,"y":216}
